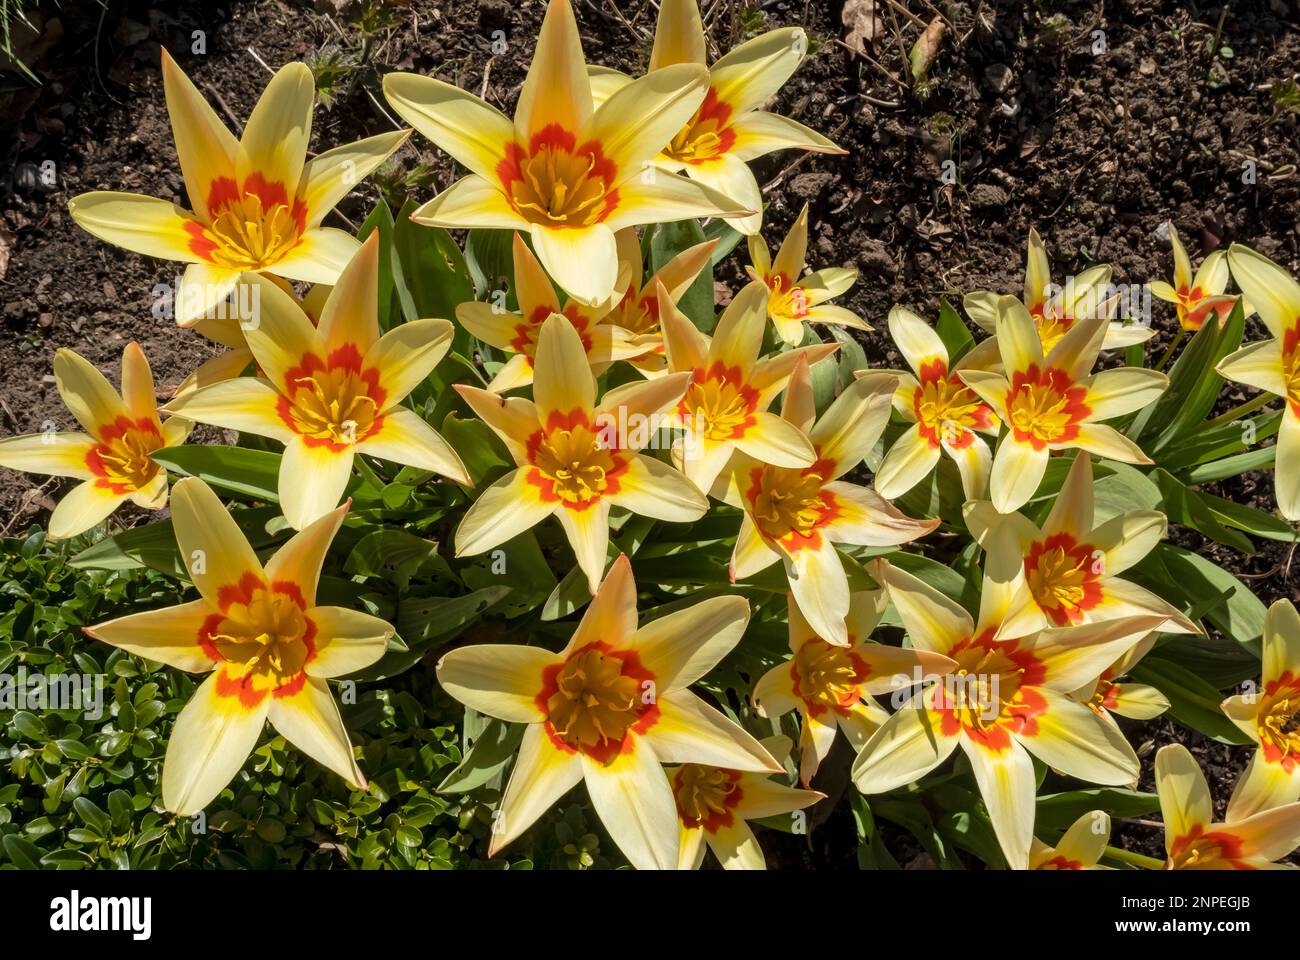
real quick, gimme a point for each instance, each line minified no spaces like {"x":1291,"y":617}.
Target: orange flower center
{"x":1064,"y":577}
{"x":1052,"y":324}
{"x":556,"y":182}
{"x":786,"y":298}
{"x":572,"y":463}
{"x":596,"y":699}
{"x":120,"y":461}
{"x":1291,"y":367}
{"x":787,"y":502}
{"x":706,"y":795}
{"x":706,"y":136}
{"x":262,"y":638}
{"x":1198,"y":849}
{"x":946,"y":408}
{"x":1045,"y":407}
{"x":827,"y":677}
{"x":990,"y":693}
{"x":720,"y":402}
{"x":334,"y":402}
{"x":250,"y":229}
{"x":1278,"y":720}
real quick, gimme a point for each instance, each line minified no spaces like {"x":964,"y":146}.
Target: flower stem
{"x":1169,"y":351}
{"x":1134,"y":859}
{"x":1240,"y":410}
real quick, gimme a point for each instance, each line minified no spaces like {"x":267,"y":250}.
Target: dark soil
{"x":1095,"y":122}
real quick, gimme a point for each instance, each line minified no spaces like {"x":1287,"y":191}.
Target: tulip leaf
{"x":487,"y":757}
{"x":1192,"y":701}
{"x":253,"y":474}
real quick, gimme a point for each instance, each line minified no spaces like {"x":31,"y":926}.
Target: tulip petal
{"x":1017,"y":470}
{"x":320,"y":256}
{"x":729,"y":176}
{"x":350,"y":317}
{"x":55,"y":454}
{"x":205,"y":148}
{"x":637,"y":120}
{"x":332,"y":175}
{"x":854,"y":422}
{"x":652,"y":488}
{"x":1006,"y":782}
{"x":657,"y":196}
{"x":751,"y":73}
{"x":501,"y":680}
{"x":688,"y":730}
{"x":309,"y":719}
{"x":759,"y":133}
{"x":932,"y":620}
{"x":1071,"y":738}
{"x":907,"y":746}
{"x":583,"y":260}
{"x":821,"y":588}
{"x":242,"y":404}
{"x":407,"y":439}
{"x":556,"y":89}
{"x":774,"y":695}
{"x":1184,"y":795}
{"x":1272,"y":291}
{"x":1113,"y":393}
{"x":634,"y":801}
{"x":588,"y":534}
{"x":684,"y":645}
{"x":275,"y":139}
{"x":471,"y":130}
{"x":1257,"y":365}
{"x":542,"y":775}
{"x":346,"y":640}
{"x":502,"y":511}
{"x":144,"y":225}
{"x":168,"y":636}
{"x":312,"y":480}
{"x":86,"y":392}
{"x":471,"y":202}
{"x":214,"y":549}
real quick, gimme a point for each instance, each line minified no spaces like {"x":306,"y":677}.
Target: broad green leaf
{"x":253,"y":474}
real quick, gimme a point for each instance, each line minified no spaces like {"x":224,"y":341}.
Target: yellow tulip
{"x":833,"y":686}
{"x":1193,"y":842}
{"x":637,"y":309}
{"x":797,"y":514}
{"x":1085,"y":297}
{"x":713,"y":804}
{"x":266,"y":645}
{"x":569,"y":173}
{"x":727,"y":130}
{"x":1110,"y":695}
{"x":945,"y":414}
{"x":795,"y":299}
{"x":111,"y":459}
{"x":1269,"y":716}
{"x":257,"y":202}
{"x":603,"y":341}
{"x":1272,"y":365}
{"x":331,"y":391}
{"x":1079,"y":848}
{"x":1002,"y":701}
{"x":1200,"y":296}
{"x":576,"y":459}
{"x":1068,"y":571}
{"x":1054,"y":402}
{"x":609,"y":709}
{"x":724,"y":412}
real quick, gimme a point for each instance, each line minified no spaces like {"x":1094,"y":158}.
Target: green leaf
{"x":1194,"y":578}
{"x":23,"y":853}
{"x":1057,"y":811}
{"x":668,"y":241}
{"x":954,"y":333}
{"x":248,"y":473}
{"x":1192,"y":702}
{"x":490,"y":752}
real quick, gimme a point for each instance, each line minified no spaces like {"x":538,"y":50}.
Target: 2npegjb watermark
{"x":34,"y":691}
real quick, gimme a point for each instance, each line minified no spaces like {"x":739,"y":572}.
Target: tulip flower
{"x":794,"y":299}
{"x":1270,"y":716}
{"x":1002,"y":701}
{"x":1193,"y":842}
{"x":1071,"y":568}
{"x":1078,"y":849}
{"x":1109,"y":695}
{"x":1196,"y":297}
{"x":257,"y":202}
{"x":576,"y":459}
{"x":713,"y":804}
{"x":725,"y":409}
{"x":945,"y":413}
{"x":728,"y":130}
{"x":330,"y":392}
{"x":1055,"y":312}
{"x":568,"y":173}
{"x":111,"y":459}
{"x":608,"y":710}
{"x":832,"y":686}
{"x":1272,"y":365}
{"x":637,"y":310}
{"x":1055,"y":402}
{"x":516,"y":333}
{"x":797,"y":514}
{"x":266,"y":645}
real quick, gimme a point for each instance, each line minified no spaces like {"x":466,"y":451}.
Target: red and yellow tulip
{"x":609,"y":709}
{"x":713,"y":804}
{"x":1070,"y":568}
{"x":331,"y":391}
{"x":1002,"y":701}
{"x":570,"y":173}
{"x":258,"y":202}
{"x":795,"y":299}
{"x":1084,"y":297}
{"x":945,"y":414}
{"x":1270,"y":716}
{"x":266,"y":645}
{"x":1079,"y":848}
{"x":727,"y":130}
{"x":576,"y":459}
{"x":603,"y":340}
{"x":111,"y":459}
{"x":724,"y":412}
{"x":1200,"y":296}
{"x":637,"y":310}
{"x":1194,"y":842}
{"x":1055,"y":402}
{"x":798,"y":514}
{"x":832,"y":686}
{"x":1272,"y":365}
